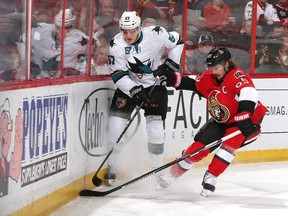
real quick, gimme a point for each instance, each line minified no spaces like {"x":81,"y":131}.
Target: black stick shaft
{"x":152,"y":172}
{"x":124,"y":131}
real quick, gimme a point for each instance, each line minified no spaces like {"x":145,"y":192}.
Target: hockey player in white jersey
{"x":46,"y":47}
{"x":133,"y":55}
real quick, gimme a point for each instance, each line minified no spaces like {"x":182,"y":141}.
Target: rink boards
{"x":54,"y":137}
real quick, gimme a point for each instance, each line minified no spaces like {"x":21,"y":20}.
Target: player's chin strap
{"x":96,"y":180}
{"x":152,"y":172}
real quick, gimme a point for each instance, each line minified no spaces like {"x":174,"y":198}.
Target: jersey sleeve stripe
{"x":116,"y":75}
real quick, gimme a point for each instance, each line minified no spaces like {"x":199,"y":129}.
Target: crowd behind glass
{"x":91,"y":24}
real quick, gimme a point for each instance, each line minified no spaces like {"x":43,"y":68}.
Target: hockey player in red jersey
{"x":233,"y":105}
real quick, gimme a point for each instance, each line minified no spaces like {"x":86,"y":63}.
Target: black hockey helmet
{"x":217,"y":55}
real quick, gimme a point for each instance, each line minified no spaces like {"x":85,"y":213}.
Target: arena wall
{"x":53,"y":138}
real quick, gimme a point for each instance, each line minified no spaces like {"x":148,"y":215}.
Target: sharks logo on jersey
{"x":112,"y":43}
{"x":157,"y":29}
{"x":83,"y":41}
{"x":140,"y":68}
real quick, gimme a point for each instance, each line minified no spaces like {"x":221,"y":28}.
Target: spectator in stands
{"x":160,"y":10}
{"x":219,"y":18}
{"x":281,"y":7}
{"x":101,"y":60}
{"x":282,"y":10}
{"x":45,"y":10}
{"x":244,"y":39}
{"x":189,"y":51}
{"x":281,"y":60}
{"x":276,"y":62}
{"x":46,"y":47}
{"x":268,"y":47}
{"x":266,"y":14}
{"x":102,"y":40}
{"x":148,"y":22}
{"x":198,"y":59}
{"x":107,"y":17}
{"x":278,"y":30}
{"x":81,"y":9}
{"x":196,"y":23}
{"x":271,"y":43}
{"x":10,"y":31}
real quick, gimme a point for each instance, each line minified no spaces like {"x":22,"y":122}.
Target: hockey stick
{"x":96,"y":180}
{"x":152,"y":172}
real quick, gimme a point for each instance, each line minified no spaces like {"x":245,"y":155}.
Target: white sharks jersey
{"x":46,"y":48}
{"x":132,"y":65}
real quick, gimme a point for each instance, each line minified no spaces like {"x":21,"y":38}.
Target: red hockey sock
{"x":217,"y":167}
{"x":176,"y":170}
{"x":222,"y":159}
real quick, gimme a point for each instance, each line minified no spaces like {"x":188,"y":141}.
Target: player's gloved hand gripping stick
{"x":96,"y":180}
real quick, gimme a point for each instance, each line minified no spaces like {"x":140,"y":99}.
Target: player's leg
{"x":226,"y":153}
{"x":120,"y":111}
{"x":210,"y":132}
{"x":223,"y":158}
{"x":155,"y":132}
{"x":155,"y":116}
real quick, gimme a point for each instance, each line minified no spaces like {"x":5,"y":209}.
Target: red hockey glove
{"x":166,"y":73}
{"x":245,"y":124}
{"x":171,"y":79}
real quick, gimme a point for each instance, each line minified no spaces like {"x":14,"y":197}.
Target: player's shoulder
{"x":235,"y":76}
{"x":77,"y":35}
{"x":77,"y":32}
{"x":153,"y":30}
{"x":42,"y":26}
{"x":42,"y":31}
{"x":205,"y":75}
{"x":238,"y":73}
{"x":117,"y":43}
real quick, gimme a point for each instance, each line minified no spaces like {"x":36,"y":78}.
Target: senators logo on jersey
{"x":218,"y":106}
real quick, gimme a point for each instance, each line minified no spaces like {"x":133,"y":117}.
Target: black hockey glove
{"x":140,"y":96}
{"x":166,"y":73}
{"x":244,"y":123}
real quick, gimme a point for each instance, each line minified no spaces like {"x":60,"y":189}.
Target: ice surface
{"x":244,"y":190}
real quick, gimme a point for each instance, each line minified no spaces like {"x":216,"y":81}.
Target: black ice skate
{"x":111,"y":176}
{"x":208,"y":183}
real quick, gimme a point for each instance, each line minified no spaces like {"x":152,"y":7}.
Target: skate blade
{"x":159,"y":188}
{"x":110,"y":182}
{"x":205,"y":193}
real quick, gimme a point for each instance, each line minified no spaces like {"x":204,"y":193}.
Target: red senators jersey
{"x":223,"y":99}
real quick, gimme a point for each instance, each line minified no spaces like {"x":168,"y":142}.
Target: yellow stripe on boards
{"x":55,"y":200}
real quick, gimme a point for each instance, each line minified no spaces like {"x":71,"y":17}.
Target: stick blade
{"x":92,"y":193}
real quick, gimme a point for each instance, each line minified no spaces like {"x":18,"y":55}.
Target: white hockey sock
{"x":156,"y":154}
{"x":116,"y":127}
